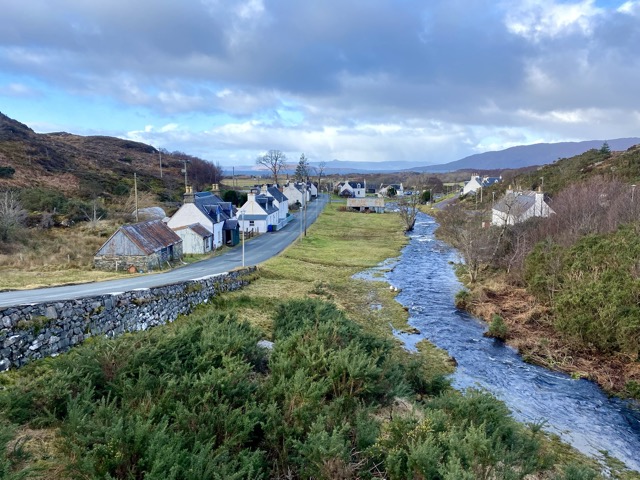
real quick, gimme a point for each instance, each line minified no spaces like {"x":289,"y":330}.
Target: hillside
{"x":623,"y":165}
{"x":90,"y":166}
{"x":526,"y":155}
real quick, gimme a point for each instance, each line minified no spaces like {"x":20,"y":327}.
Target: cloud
{"x":411,"y":80}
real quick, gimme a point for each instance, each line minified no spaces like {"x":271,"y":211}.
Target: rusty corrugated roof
{"x":151,"y":236}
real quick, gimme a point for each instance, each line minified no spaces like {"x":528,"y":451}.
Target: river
{"x":576,"y":410}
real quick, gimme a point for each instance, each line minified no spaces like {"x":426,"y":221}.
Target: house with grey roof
{"x":297,"y":193}
{"x":477,"y":182}
{"x":258,"y":214}
{"x":353,"y":189}
{"x":204,"y":208}
{"x":516,"y":207}
{"x":142,"y":246}
{"x":280,"y":200}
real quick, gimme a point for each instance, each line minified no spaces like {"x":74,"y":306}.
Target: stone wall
{"x":28,"y":332}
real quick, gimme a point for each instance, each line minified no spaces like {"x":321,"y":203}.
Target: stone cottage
{"x":144,"y":246}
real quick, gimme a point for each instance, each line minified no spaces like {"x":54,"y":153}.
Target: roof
{"x":197,"y":229}
{"x":230,"y":224}
{"x":266,"y":203}
{"x":356,"y":184}
{"x":277,"y":194}
{"x":490,"y":181}
{"x":149,"y":236}
{"x":516,"y":203}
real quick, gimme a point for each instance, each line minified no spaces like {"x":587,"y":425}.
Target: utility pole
{"x":305,"y":218}
{"x":160,"y":158}
{"x":135,"y":190}
{"x":185,"y":173}
{"x":242,"y":214}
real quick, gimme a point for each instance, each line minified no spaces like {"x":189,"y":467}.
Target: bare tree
{"x":319,"y":171}
{"x":408,"y":207}
{"x":274,"y":161}
{"x":12,"y":216}
{"x":465,"y":231}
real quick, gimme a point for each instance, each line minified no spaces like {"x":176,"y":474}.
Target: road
{"x":257,"y":250}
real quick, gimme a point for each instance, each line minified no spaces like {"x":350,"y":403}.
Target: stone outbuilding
{"x":144,"y":246}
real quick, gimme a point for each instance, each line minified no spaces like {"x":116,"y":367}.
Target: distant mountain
{"x":526,"y":155}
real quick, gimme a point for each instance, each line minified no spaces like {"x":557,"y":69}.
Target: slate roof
{"x":266,"y":203}
{"x":230,"y":224}
{"x":277,"y":194}
{"x":356,"y":184}
{"x":490,"y":181}
{"x":516,"y":203}
{"x":210,"y":204}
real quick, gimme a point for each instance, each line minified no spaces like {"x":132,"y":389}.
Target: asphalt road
{"x":256,"y":251}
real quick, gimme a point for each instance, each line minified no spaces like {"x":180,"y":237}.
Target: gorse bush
{"x":594,"y":287}
{"x":200,"y":399}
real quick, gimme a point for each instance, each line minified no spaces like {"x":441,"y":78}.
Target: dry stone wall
{"x":29,"y":332}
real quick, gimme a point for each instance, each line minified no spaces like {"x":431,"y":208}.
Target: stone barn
{"x":144,"y":246}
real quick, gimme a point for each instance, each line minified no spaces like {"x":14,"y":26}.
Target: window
{"x":251,"y":223}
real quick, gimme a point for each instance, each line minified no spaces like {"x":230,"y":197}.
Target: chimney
{"x":215,"y":189}
{"x":189,"y":197}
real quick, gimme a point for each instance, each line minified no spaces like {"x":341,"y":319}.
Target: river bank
{"x":575,"y":409}
{"x":529,"y":331}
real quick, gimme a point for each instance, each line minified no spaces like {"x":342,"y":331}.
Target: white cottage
{"x":203,"y":208}
{"x":258,"y":214}
{"x":280,"y":200}
{"x":477,"y":182}
{"x":516,"y":207}
{"x":354,"y":189}
{"x":296,"y":193}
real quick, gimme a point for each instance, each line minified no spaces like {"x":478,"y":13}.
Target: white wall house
{"x":477,"y":182}
{"x":195,"y":238}
{"x":313,"y":189}
{"x":202,"y":208}
{"x":280,"y":200}
{"x":257,"y":216}
{"x":384,"y":190}
{"x":354,"y":189}
{"x":295,"y":193}
{"x":516,"y":207}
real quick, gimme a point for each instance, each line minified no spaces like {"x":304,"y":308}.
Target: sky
{"x":424,"y":81}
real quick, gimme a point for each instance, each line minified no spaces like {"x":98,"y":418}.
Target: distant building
{"x":516,"y":207}
{"x":397,"y":187}
{"x":477,"y":182}
{"x":367,"y":204}
{"x":297,"y":193}
{"x":353,"y":189}
{"x":143,"y":246}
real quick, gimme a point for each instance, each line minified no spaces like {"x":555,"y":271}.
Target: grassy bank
{"x":336,"y":396}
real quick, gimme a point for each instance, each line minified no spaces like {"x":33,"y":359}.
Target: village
{"x":205,"y":222}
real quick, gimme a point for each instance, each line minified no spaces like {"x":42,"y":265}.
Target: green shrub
{"x":497,"y":328}
{"x":463,"y":299}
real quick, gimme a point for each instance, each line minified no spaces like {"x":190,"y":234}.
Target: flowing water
{"x":577,"y":410}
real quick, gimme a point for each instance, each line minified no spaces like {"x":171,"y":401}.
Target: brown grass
{"x":55,"y":257}
{"x":532,"y":334}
